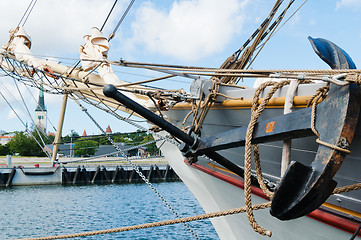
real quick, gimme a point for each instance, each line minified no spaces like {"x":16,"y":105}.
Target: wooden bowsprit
{"x":303,"y":188}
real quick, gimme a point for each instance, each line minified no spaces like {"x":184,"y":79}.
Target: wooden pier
{"x":79,"y":175}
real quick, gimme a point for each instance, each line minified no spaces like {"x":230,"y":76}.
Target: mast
{"x":59,"y":128}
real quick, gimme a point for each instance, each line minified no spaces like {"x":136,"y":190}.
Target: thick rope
{"x":181,"y":220}
{"x":321,"y":94}
{"x":157,"y":224}
{"x":349,"y":188}
{"x":256,"y":113}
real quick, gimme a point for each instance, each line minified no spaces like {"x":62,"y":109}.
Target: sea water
{"x":36,"y":211}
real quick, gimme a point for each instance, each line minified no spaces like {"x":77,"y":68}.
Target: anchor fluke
{"x":295,"y":197}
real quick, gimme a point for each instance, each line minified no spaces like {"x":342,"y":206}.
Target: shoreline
{"x":106,"y":161}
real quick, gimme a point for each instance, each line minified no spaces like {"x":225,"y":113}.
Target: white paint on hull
{"x":214,"y":195}
{"x":20,"y":179}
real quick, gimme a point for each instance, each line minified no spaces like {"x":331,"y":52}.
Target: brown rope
{"x":194,"y":70}
{"x":338,"y":190}
{"x":256,"y":113}
{"x":349,"y":188}
{"x":321,"y":94}
{"x":354,"y":78}
{"x":157,"y":224}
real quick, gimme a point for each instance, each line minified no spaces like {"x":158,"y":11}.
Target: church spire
{"x":40,"y":111}
{"x":41,"y":102}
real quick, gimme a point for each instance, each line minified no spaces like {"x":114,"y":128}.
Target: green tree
{"x":83,"y":147}
{"x":4,"y":150}
{"x":123,"y":139}
{"x":46,"y":139}
{"x":25,"y":145}
{"x":151,"y":148}
{"x":71,"y":137}
{"x":104,"y":141}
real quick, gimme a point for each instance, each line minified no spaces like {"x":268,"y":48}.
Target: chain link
{"x":136,"y":168}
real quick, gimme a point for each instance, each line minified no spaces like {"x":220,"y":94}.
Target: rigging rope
{"x":239,"y":51}
{"x":256,"y":112}
{"x":36,"y":127}
{"x":25,"y":125}
{"x":38,"y":105}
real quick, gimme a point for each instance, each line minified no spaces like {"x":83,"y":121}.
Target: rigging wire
{"x":110,"y":12}
{"x":38,"y":105}
{"x":25,"y":125}
{"x":270,"y":30}
{"x":289,"y":17}
{"x":136,"y":168}
{"x":10,"y":94}
{"x":32,"y":120}
{"x":27,"y":12}
{"x":26,"y":107}
{"x":111,"y":36}
{"x":238,"y":52}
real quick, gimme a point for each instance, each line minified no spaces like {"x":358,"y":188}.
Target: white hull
{"x":37,"y":177}
{"x":215,"y":195}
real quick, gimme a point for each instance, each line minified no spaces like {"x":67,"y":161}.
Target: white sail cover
{"x":96,"y":48}
{"x":93,"y":54}
{"x":20,"y":44}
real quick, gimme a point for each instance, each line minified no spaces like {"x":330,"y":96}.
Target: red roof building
{"x":108,"y":130}
{"x":84,"y":134}
{"x":5,"y":139}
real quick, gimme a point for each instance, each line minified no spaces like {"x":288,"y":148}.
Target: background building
{"x":41,"y":112}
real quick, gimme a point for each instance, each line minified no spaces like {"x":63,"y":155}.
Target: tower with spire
{"x":41,"y":112}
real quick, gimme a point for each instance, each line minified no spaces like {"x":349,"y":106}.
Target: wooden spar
{"x":60,"y":127}
{"x":86,"y":78}
{"x":286,"y":151}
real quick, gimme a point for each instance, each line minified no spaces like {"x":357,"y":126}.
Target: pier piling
{"x":84,"y":175}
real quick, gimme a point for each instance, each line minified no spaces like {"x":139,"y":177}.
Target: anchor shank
{"x":293,"y":125}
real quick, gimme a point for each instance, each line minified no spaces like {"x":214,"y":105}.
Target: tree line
{"x":24,"y":144}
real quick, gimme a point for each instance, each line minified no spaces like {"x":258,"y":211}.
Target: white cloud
{"x":190,"y":30}
{"x":11,"y":115}
{"x":11,"y":92}
{"x":348,"y":4}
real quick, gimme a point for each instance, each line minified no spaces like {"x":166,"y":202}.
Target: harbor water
{"x":37,"y":211}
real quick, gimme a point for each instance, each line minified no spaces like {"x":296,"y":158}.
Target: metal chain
{"x":136,"y":168}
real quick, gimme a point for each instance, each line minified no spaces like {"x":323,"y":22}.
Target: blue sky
{"x":194,"y":32}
